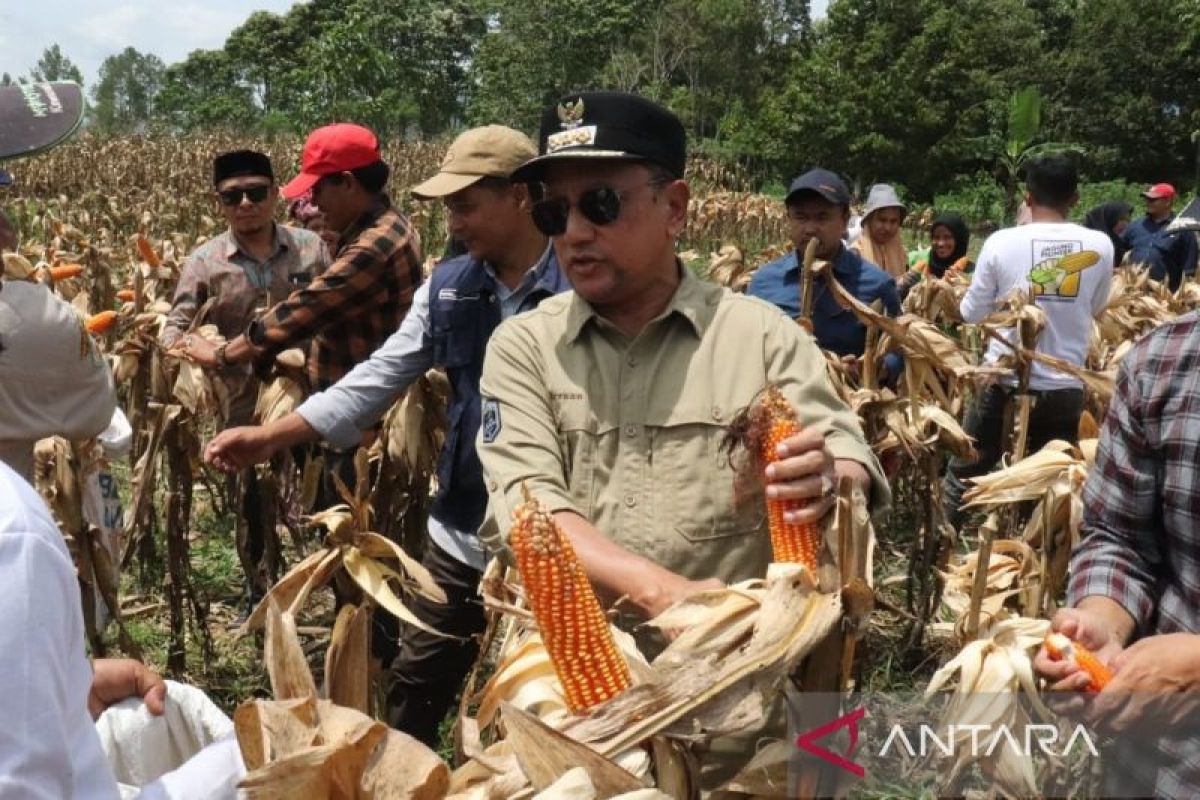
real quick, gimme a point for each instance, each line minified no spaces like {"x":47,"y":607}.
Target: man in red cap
{"x":1139,"y":235}
{"x":358,"y":302}
{"x":350,"y":309}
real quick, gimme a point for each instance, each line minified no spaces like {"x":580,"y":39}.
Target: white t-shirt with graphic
{"x":1069,"y":268}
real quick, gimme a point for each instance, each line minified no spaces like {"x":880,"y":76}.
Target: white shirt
{"x":1014,"y":259}
{"x":48,"y":743}
{"x":53,"y":380}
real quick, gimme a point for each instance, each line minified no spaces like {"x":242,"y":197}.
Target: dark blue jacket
{"x":1173,"y":255}
{"x":1140,"y":235}
{"x":463,"y":311}
{"x":836,"y":329}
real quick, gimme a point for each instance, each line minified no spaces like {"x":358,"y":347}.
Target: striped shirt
{"x":1141,"y":524}
{"x":354,"y":306}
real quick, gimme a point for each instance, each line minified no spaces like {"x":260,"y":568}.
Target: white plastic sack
{"x":191,"y":748}
{"x":102,"y":505}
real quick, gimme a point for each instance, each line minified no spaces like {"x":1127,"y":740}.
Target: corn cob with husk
{"x":761,"y":429}
{"x":572,"y":624}
{"x":1061,"y":648}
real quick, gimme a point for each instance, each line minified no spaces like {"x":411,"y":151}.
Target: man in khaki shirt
{"x":610,"y":402}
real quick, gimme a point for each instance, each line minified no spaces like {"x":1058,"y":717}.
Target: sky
{"x":88,"y":31}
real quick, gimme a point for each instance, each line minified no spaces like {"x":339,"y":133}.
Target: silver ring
{"x":187,"y":341}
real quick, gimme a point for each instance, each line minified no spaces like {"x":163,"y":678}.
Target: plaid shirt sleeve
{"x":349,"y":289}
{"x":1120,"y":555}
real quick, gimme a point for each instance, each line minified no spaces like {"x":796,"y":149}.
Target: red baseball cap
{"x":1159,"y":191}
{"x":330,"y":150}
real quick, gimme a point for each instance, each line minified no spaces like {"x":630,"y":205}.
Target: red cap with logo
{"x":1159,"y":191}
{"x":330,"y":150}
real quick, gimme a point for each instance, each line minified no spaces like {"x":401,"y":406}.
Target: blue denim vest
{"x":463,"y":312}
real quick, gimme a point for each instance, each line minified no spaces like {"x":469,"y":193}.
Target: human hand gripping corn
{"x":1062,"y":648}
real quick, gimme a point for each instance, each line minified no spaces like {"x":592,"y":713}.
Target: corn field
{"x":953,"y":608}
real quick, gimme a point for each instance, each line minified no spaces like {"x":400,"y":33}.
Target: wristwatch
{"x":224,"y":362}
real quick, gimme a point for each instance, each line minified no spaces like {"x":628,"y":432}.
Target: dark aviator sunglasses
{"x":233,"y":197}
{"x":600,"y":205}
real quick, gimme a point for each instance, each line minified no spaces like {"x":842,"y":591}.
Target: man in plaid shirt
{"x":1134,"y":592}
{"x":360,"y":300}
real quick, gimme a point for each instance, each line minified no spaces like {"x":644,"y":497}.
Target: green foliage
{"x":915,"y":92}
{"x":977,"y":197}
{"x":123,"y":99}
{"x":54,"y":66}
{"x":1094,"y":193}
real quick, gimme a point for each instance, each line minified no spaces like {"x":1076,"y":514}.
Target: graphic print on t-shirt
{"x":1056,"y":267}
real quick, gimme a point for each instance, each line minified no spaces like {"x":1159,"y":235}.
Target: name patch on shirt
{"x":490,"y":424}
{"x":447,"y":294}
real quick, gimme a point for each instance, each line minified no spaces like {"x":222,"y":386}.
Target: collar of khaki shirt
{"x":694,"y":300}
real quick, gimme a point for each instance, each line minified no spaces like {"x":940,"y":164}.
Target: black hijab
{"x":1104,"y":218}
{"x":962,"y":237}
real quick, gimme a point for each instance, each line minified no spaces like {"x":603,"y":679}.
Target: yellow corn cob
{"x":573,"y":626}
{"x":790,"y":542}
{"x":1062,"y":648}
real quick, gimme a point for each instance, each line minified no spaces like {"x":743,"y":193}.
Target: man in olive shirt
{"x":610,"y":402}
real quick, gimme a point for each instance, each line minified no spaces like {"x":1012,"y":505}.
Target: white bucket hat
{"x":882,"y":195}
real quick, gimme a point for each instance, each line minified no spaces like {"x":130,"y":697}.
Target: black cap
{"x":241,"y":162}
{"x":613,"y":125}
{"x":822,"y":182}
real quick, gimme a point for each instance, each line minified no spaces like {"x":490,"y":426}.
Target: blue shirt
{"x":1140,"y":235}
{"x":836,"y":329}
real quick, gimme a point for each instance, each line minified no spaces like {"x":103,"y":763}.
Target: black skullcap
{"x":241,"y":162}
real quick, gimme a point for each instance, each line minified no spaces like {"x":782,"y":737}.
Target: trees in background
{"x":915,"y":92}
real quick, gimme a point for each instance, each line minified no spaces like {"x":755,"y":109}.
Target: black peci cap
{"x":822,"y":182}
{"x":241,"y":162}
{"x":614,"y":125}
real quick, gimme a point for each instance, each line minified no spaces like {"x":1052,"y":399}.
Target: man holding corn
{"x":610,"y":403}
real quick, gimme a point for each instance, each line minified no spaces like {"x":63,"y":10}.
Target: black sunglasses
{"x":233,"y":197}
{"x":600,"y":205}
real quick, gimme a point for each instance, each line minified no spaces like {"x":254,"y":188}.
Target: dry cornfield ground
{"x":129,"y":210}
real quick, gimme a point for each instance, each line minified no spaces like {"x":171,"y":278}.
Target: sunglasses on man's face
{"x":600,"y":205}
{"x":233,"y":197}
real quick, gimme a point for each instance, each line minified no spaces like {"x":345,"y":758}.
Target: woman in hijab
{"x":949,"y":238}
{"x":881,"y":242}
{"x":1111,"y":219}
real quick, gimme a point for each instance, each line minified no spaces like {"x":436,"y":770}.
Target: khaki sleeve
{"x":518,"y":440}
{"x":795,"y":364}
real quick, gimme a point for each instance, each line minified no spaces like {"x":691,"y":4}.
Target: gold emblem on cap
{"x":570,"y":114}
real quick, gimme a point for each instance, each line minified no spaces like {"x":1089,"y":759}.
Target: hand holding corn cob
{"x":1061,"y":648}
{"x":766,"y":425}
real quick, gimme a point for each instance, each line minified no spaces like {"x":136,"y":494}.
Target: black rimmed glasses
{"x":233,"y":197}
{"x":599,"y":205}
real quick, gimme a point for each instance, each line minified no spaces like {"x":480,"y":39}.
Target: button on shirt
{"x":364,"y":395}
{"x":628,"y":432}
